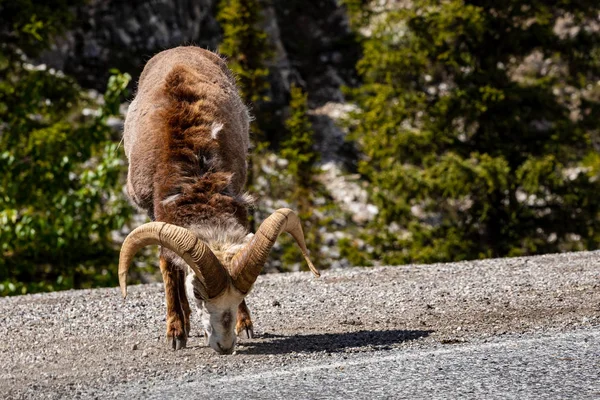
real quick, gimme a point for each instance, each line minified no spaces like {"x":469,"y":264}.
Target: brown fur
{"x":182,"y":93}
{"x":179,"y":171}
{"x":178,"y":308}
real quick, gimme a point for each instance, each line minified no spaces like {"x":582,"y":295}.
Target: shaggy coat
{"x":186,"y":139}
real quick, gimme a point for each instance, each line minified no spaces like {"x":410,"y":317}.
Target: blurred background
{"x":401,"y":131}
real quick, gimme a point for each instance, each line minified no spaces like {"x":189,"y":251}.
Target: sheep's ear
{"x":249,"y":261}
{"x":185,"y":244}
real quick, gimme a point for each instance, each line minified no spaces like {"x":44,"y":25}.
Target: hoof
{"x":243,"y":326}
{"x":176,"y":342}
{"x":245,"y":330}
{"x":247,"y":333}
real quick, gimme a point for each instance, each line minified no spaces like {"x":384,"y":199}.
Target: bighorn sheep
{"x":186,"y":139}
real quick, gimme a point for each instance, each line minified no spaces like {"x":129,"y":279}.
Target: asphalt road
{"x":508,"y":328}
{"x":564,"y":365}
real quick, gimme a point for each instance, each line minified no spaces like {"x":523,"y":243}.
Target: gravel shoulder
{"x":91,"y":343}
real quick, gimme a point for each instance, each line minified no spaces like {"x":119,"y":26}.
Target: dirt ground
{"x":83,"y":343}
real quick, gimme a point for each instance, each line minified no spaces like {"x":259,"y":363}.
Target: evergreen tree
{"x":246,"y":47}
{"x":302,"y":157}
{"x":60,"y":187}
{"x":479,"y":126}
{"x":298,"y":147}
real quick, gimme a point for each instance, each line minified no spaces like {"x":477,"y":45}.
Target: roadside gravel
{"x":91,"y":343}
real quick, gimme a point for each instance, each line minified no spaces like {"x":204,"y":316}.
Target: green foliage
{"x":471,"y":148}
{"x":245,"y":46}
{"x":298,"y":147}
{"x":60,"y":188}
{"x":350,"y":249}
{"x":359,"y":12}
{"x":301,"y":156}
{"x":30,"y":25}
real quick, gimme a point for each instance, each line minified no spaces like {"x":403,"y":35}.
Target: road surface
{"x":505,"y":328}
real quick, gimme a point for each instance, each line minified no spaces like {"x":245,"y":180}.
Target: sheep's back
{"x":144,"y":139}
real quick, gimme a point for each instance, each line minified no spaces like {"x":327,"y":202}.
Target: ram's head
{"x":218,"y":284}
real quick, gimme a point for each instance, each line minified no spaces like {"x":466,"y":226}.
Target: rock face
{"x":313,"y":44}
{"x":320,"y":47}
{"x":124,"y":35}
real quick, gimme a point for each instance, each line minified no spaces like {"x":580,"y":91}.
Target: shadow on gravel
{"x":330,"y":342}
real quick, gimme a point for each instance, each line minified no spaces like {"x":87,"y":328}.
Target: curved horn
{"x":185,"y":244}
{"x":249,"y":261}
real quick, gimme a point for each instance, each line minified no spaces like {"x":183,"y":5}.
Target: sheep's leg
{"x":185,"y":305}
{"x":176,"y":335}
{"x":243,"y":327}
